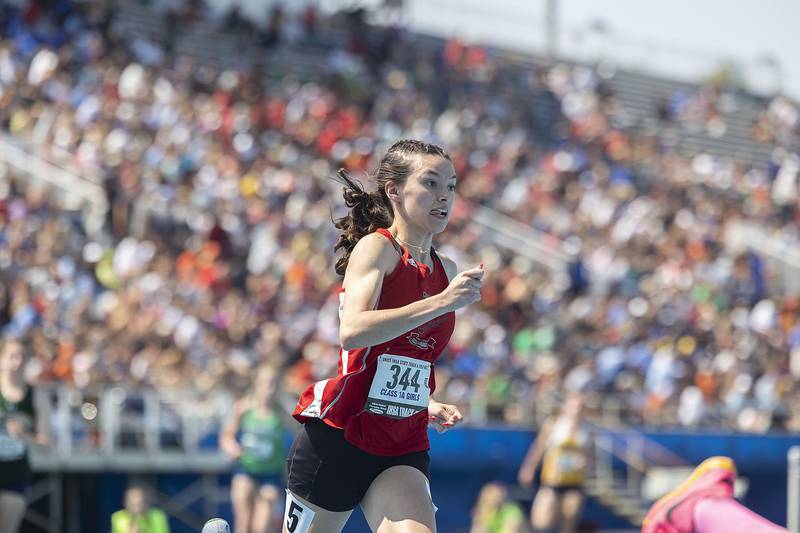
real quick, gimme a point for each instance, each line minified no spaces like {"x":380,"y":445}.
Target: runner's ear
{"x":392,"y":191}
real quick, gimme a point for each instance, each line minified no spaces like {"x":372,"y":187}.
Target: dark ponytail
{"x":370,"y":211}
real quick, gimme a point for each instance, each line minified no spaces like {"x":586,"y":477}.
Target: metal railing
{"x":139,"y":431}
{"x":793,"y":490}
{"x":523,"y":239}
{"x":781,"y":255}
{"x":623,"y":458}
{"x":77,"y":192}
{"x":636,"y":453}
{"x":122,"y":429}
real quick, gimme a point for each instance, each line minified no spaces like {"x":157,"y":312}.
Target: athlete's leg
{"x":726,"y":514}
{"x":399,"y":501}
{"x":303,"y":517}
{"x":325,"y":480}
{"x":12,"y":510}
{"x":264,"y":503}
{"x":544,"y":510}
{"x":571,"y":507}
{"x":242,"y":491}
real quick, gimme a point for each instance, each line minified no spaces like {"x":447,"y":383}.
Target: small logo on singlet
{"x":423,"y":344}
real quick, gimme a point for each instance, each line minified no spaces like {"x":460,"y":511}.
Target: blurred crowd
{"x":217,"y":252}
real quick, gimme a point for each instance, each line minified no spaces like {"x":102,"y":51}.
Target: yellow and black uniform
{"x":15,"y":468}
{"x":564,"y":462}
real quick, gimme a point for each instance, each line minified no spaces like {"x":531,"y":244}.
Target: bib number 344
{"x":400,"y":387}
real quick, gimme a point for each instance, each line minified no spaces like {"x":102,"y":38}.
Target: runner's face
{"x":427,"y":195}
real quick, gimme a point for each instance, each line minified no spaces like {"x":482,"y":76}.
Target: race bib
{"x":571,"y":462}
{"x":297,"y":517}
{"x":400,"y":387}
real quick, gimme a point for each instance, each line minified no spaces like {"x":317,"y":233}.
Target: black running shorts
{"x":328,"y":471}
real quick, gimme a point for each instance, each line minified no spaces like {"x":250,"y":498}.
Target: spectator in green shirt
{"x":254,"y":437}
{"x":138,"y":516}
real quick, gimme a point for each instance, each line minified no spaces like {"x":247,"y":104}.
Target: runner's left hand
{"x":443,"y":416}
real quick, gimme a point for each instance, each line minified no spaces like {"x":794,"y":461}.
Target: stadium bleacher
{"x":638,"y":240}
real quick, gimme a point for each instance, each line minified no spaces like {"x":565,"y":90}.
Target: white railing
{"x":138,"y":431}
{"x":77,"y":192}
{"x":131,"y":429}
{"x":523,"y":239}
{"x":793,"y":492}
{"x":781,"y":255}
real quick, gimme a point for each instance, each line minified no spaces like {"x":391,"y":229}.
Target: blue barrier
{"x":759,"y":458}
{"x":464,"y":459}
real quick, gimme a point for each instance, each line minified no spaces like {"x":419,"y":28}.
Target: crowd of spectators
{"x":217,"y":252}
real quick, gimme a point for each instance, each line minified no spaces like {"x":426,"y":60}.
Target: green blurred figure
{"x":254,"y":437}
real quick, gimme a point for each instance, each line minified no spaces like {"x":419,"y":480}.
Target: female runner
{"x":364,"y":439}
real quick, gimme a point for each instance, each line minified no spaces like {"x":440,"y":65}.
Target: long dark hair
{"x":370,"y":211}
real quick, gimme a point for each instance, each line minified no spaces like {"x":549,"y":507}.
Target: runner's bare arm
{"x":361,"y":325}
{"x":227,"y":439}
{"x":534,"y":456}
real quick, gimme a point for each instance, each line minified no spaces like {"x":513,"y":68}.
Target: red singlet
{"x":389,"y":378}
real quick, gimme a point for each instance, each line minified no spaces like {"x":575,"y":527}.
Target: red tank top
{"x":378,"y":396}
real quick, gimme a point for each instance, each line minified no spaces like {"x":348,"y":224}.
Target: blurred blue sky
{"x":684,"y":38}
